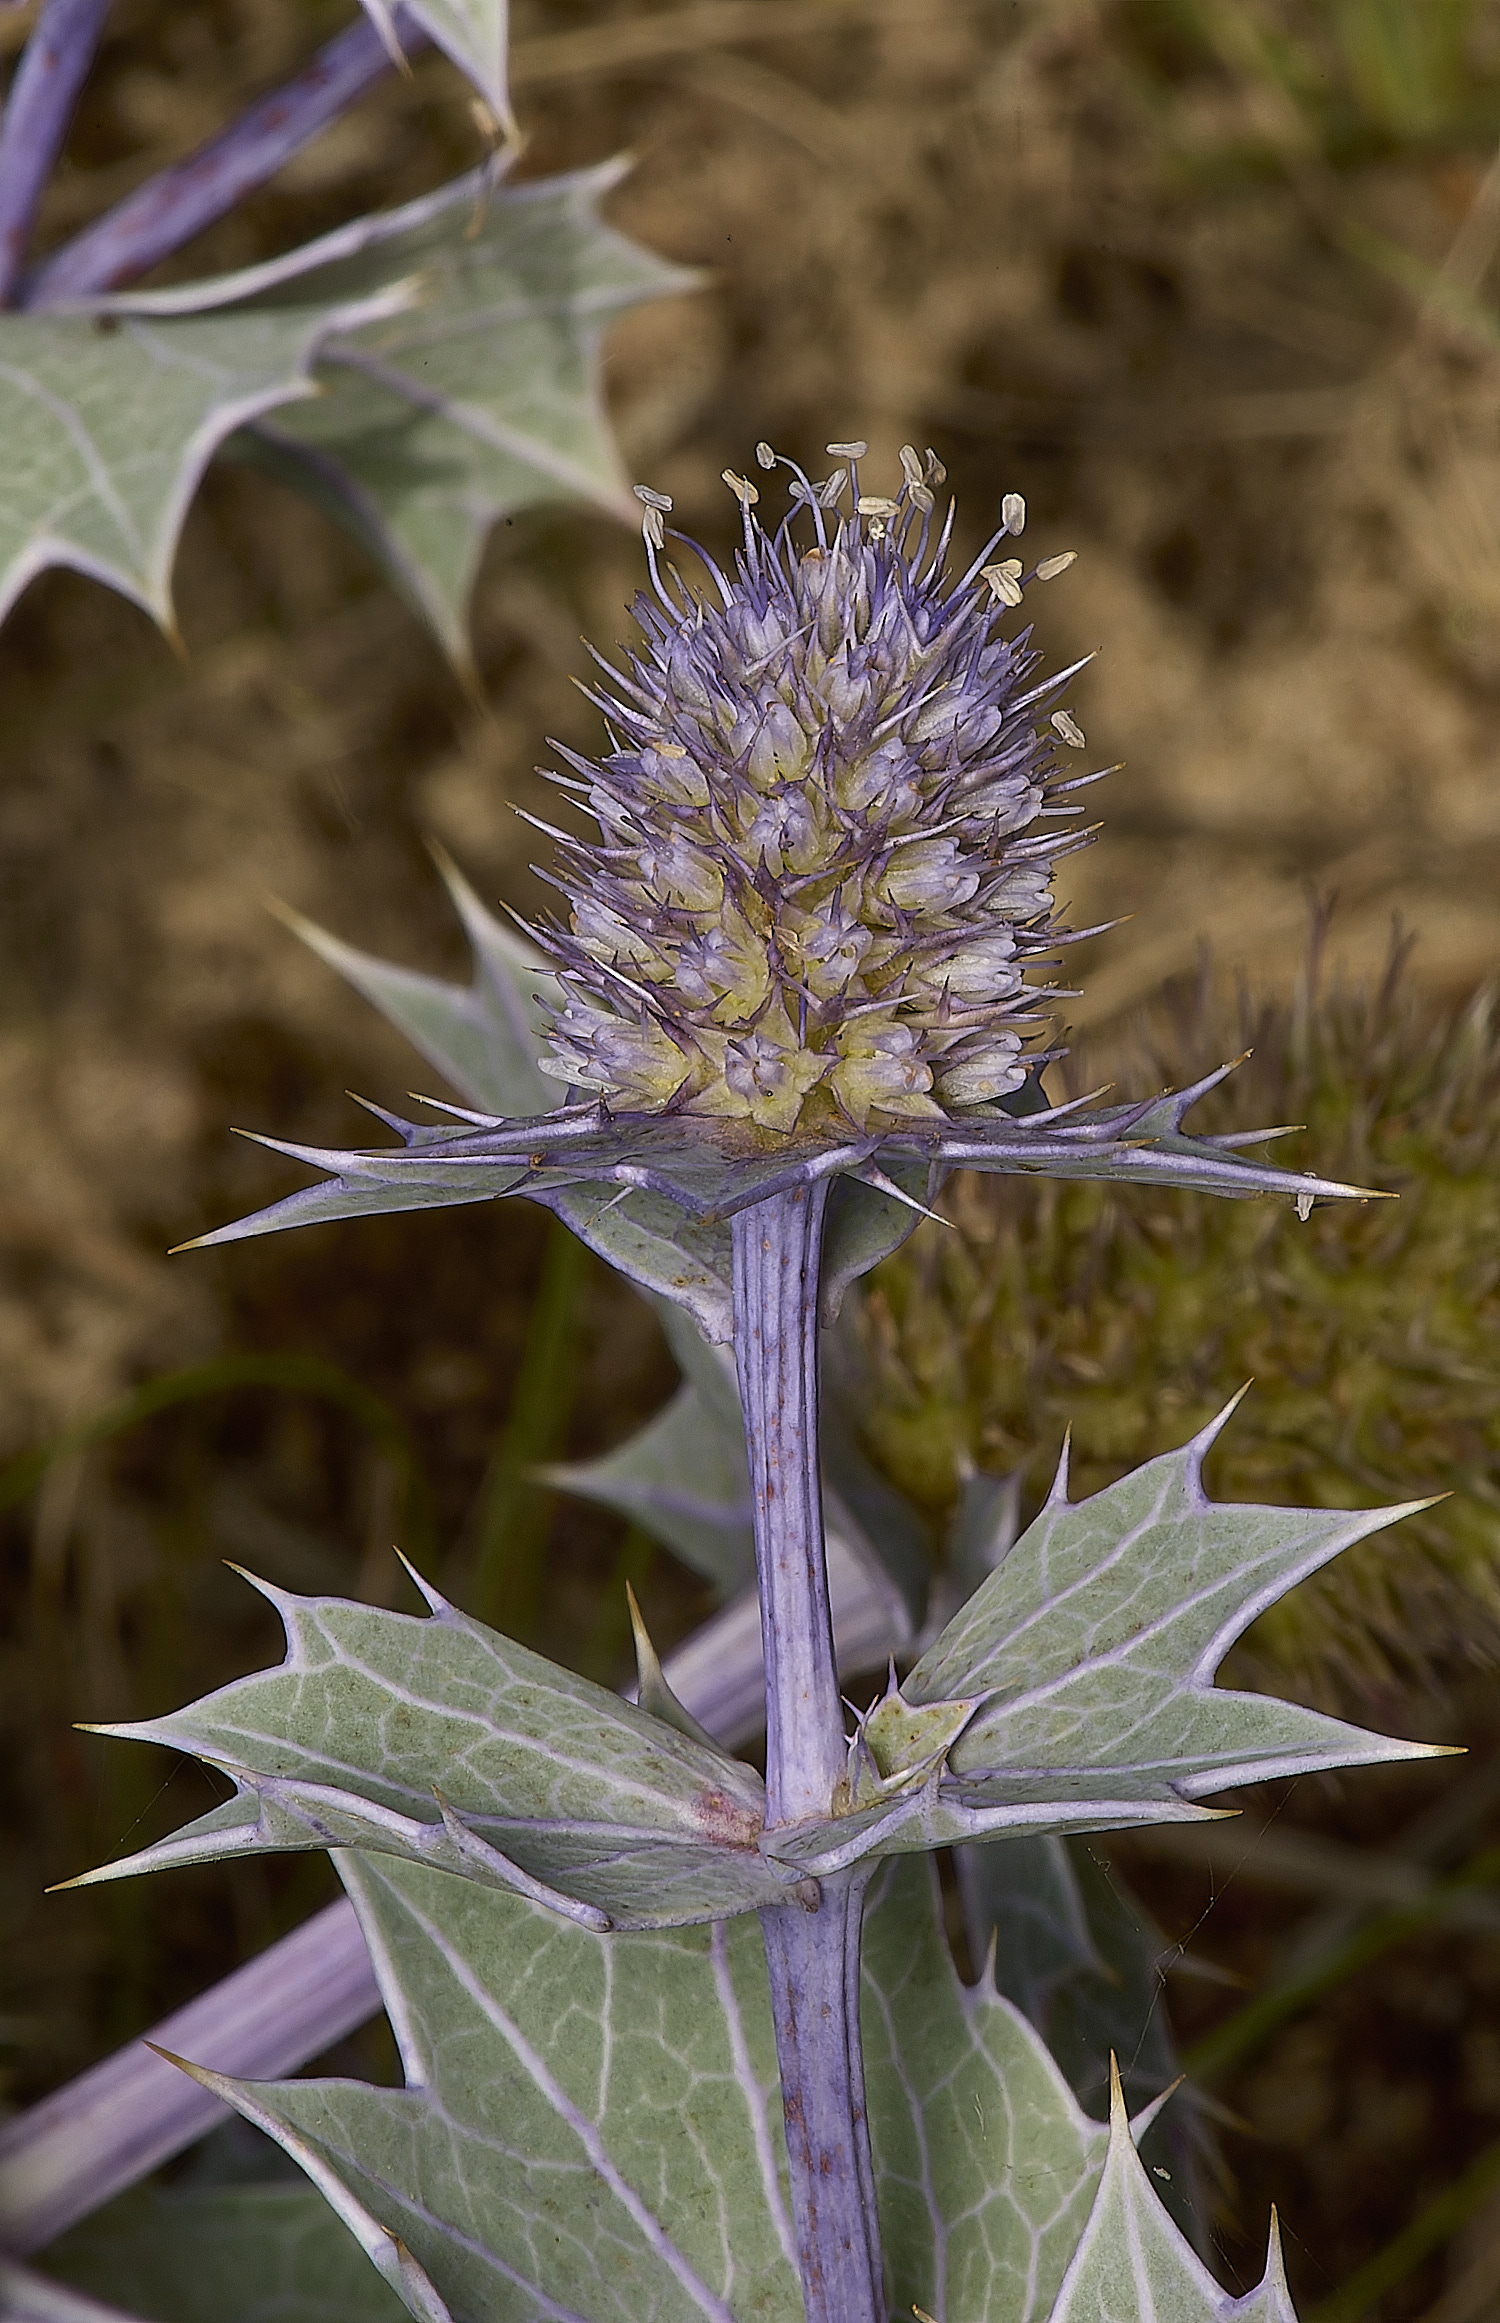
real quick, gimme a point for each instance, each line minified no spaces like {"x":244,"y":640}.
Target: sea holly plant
{"x":791,"y":985}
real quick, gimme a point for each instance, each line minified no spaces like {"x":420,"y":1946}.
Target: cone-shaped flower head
{"x":827,"y":824}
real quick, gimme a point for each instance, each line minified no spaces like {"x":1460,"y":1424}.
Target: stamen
{"x":1004,"y":581}
{"x":1050,"y":567}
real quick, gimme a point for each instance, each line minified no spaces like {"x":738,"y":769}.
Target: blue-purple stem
{"x":179,"y":202}
{"x":52,"y":70}
{"x":812,"y":1943}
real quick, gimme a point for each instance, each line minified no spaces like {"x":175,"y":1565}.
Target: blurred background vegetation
{"x":1210,"y":281}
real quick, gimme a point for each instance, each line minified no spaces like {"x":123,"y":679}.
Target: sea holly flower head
{"x":828,"y":822}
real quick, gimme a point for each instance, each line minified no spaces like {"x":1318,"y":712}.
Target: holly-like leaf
{"x":226,"y":2254}
{"x":490,"y":400}
{"x":109,"y":419}
{"x":417,"y":439}
{"x":483,"y":1037}
{"x":439,"y":1741}
{"x":592,"y":2127}
{"x":985,"y":2162}
{"x":1101,"y":1632}
{"x":471,"y":32}
{"x":1133,"y":2266}
{"x":1083,"y":1961}
{"x":684,"y":1477}
{"x":1096,"y":1642}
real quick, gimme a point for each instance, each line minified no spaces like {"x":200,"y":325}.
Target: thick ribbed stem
{"x":812,"y":1948}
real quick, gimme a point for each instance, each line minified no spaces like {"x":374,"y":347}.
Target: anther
{"x":650,"y":499}
{"x":653,"y":528}
{"x":1013,"y":512}
{"x":743,"y":490}
{"x":1050,"y":567}
{"x":846,"y":451}
{"x":871,"y":504}
{"x":911,"y":466}
{"x":765,"y":455}
{"x":1003,"y":579}
{"x":1070,"y":730}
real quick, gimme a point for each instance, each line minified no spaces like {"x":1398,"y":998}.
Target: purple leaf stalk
{"x":827,"y":830}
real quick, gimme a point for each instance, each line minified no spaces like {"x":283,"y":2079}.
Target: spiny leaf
{"x":1097,"y":1640}
{"x":1102,"y":1630}
{"x":490,"y":402}
{"x":439,"y":1741}
{"x":109,"y":419}
{"x":985,"y":2162}
{"x":1132,"y":2265}
{"x":591,"y":2126}
{"x":684,"y":1476}
{"x":482,"y":1037}
{"x":471,"y":32}
{"x":418,"y":440}
{"x":1084,"y":1963}
{"x":225,"y":2254}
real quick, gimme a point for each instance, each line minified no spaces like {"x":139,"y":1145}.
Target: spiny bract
{"x":828,"y":826}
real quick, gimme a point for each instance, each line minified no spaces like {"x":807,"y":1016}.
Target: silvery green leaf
{"x":1082,"y":1960}
{"x":490,"y":402}
{"x":684,"y":1477}
{"x":109,"y":419}
{"x":484,"y":1036}
{"x":438,"y":1740}
{"x":230,"y":2254}
{"x":590,"y":2128}
{"x":471,"y":32}
{"x":683,"y":1484}
{"x":1101,"y":1632}
{"x":985,"y":2162}
{"x":1025,"y":1899}
{"x":657,"y":1245}
{"x":591,"y":2125}
{"x":1133,"y":2266}
{"x":1094,"y":1646}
